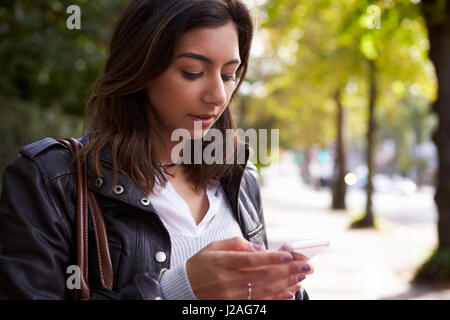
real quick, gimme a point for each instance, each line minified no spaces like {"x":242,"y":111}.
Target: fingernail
{"x":305,"y":268}
{"x":256,"y":246}
{"x":301,"y":277}
{"x":287,"y":258}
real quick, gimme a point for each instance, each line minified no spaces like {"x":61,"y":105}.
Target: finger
{"x":267,"y":290}
{"x":283,"y":295}
{"x":268,"y":280}
{"x":263,"y":290}
{"x":296,"y":255}
{"x":286,"y":295}
{"x":275,"y":272}
{"x":295,"y":288}
{"x":247,"y":292}
{"x":234,"y":244}
{"x":244,"y":260}
{"x":299,"y":256}
{"x":307,"y":268}
{"x":279,"y":295}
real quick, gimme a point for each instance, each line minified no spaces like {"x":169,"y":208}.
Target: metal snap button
{"x":144,"y":201}
{"x":160,"y":256}
{"x":99,"y":182}
{"x":118,"y":189}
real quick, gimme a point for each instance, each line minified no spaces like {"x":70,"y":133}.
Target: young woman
{"x":175,"y":230}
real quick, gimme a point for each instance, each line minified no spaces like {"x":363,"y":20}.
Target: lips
{"x":206,"y":119}
{"x":204,"y":116}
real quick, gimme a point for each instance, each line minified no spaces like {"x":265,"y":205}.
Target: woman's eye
{"x":192,"y":76}
{"x":228,"y":78}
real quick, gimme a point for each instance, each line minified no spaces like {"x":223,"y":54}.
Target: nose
{"x":215,"y":92}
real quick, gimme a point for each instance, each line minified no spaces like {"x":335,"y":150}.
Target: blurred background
{"x":359,"y":91}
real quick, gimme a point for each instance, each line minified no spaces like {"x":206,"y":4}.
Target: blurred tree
{"x":340,"y":170}
{"x":437,"y":17}
{"x":408,"y":126}
{"x":329,"y":46}
{"x":47,"y":70}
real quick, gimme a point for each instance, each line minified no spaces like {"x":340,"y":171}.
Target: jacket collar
{"x":127,"y":191}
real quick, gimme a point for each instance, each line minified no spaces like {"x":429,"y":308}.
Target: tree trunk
{"x":339,"y":186}
{"x":368,"y":220}
{"x":304,"y":168}
{"x":438,"y":23}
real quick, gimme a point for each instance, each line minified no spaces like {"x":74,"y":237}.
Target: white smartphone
{"x":307,"y":248}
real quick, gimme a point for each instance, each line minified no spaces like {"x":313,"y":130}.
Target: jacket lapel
{"x":125,"y":190}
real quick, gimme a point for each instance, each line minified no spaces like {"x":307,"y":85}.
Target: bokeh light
{"x":351,"y":179}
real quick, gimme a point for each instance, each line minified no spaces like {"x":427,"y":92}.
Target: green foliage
{"x":408,"y":124}
{"x":358,"y":221}
{"x":316,"y":48}
{"x":436,"y":269}
{"x":24,"y":122}
{"x":46,"y":63}
{"x":47,"y":70}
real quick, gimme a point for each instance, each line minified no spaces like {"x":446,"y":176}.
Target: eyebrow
{"x":203,"y":58}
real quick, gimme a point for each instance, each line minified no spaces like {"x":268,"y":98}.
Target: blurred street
{"x":359,"y":264}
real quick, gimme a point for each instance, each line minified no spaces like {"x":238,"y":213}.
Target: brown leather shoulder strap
{"x":104,"y":257}
{"x":87,"y":199}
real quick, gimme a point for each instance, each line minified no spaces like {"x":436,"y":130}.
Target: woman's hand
{"x":299,"y":257}
{"x":223,"y":270}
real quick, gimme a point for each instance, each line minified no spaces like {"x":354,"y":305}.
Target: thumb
{"x":235,"y":244}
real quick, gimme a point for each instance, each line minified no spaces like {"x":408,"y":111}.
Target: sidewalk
{"x":360,"y":264}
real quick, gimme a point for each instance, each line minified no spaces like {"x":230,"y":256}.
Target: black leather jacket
{"x":37,"y":233}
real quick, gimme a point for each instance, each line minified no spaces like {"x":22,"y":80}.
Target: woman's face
{"x":199,"y":81}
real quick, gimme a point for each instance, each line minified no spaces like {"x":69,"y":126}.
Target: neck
{"x":163,"y":151}
{"x":164,"y":155}
{"x":163,"y":148}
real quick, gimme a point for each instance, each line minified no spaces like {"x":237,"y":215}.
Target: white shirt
{"x":187,"y":238}
{"x":174,"y":211}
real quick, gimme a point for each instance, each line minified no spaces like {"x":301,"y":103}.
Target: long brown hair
{"x":119,"y":115}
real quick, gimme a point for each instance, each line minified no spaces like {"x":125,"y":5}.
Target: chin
{"x":198,"y":134}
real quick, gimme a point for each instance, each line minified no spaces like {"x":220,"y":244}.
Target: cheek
{"x":229,"y":92}
{"x":170,"y":96}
